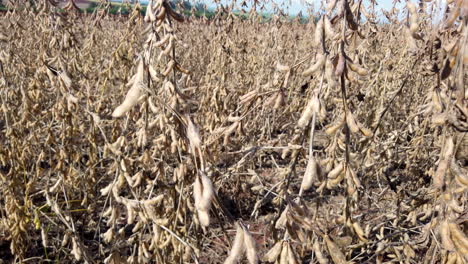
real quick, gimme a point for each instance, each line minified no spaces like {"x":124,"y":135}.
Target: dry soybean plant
{"x":155,"y":136}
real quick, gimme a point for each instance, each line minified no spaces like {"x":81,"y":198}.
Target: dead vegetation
{"x":165,"y":139}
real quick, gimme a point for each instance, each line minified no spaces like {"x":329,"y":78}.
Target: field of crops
{"x":163,"y":138}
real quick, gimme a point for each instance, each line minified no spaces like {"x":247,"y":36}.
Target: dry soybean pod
{"x":251,"y":247}
{"x":133,"y":94}
{"x":310,"y":174}
{"x":238,"y":246}
{"x":312,"y":107}
{"x":273,"y":254}
{"x":320,"y":61}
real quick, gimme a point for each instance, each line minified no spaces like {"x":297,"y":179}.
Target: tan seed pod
{"x":351,"y":122}
{"x":161,"y":14}
{"x":449,"y":148}
{"x":354,"y":177}
{"x":109,"y":235}
{"x":414,"y":26}
{"x":188,"y":251}
{"x":106,"y":190}
{"x":330,"y":77}
{"x":169,"y":68}
{"x":279,"y":101}
{"x":166,"y":242}
{"x":413,"y":17}
{"x":248,"y":97}
{"x":114,"y":215}
{"x":330,"y":183}
{"x":169,"y":86}
{"x":291,"y":256}
{"x":328,"y":27}
{"x":133,"y":94}
{"x":168,"y":28}
{"x":464,"y":9}
{"x":444,"y":232}
{"x":229,"y":131}
{"x":284,"y":254}
{"x":350,"y":187}
{"x":459,"y":238}
{"x":273,"y":254}
{"x":357,"y":228}
{"x":234,"y":118}
{"x":310,"y":174}
{"x":130,"y":214}
{"x":318,"y":35}
{"x":366,"y":131}
{"x":340,"y":66}
{"x":65,"y":239}
{"x":334,"y":251}
{"x":251,"y":247}
{"x":203,"y":217}
{"x":451,"y":47}
{"x":465,"y":52}
{"x":144,"y":249}
{"x":149,"y":15}
{"x":271,"y":100}
{"x":153,"y":109}
{"x":357,"y":69}
{"x":76,"y":251}
{"x":238,"y":246}
{"x":285,"y":153}
{"x":181,"y":69}
{"x":207,"y":195}
{"x":197,"y":191}
{"x":412,"y":8}
{"x":153,"y":201}
{"x":153,"y":74}
{"x":332,"y":129}
{"x":193,"y":134}
{"x":44,"y":237}
{"x":169,"y":47}
{"x":333,"y":174}
{"x":460,"y":176}
{"x":318,"y":253}
{"x":142,"y":138}
{"x":455,"y":206}
{"x":282,"y":68}
{"x":411,"y":41}
{"x":436,"y":102}
{"x":65,"y":79}
{"x":462,"y":259}
{"x":52,"y":42}
{"x":156,"y":233}
{"x":319,"y":62}
{"x":312,"y":107}
{"x":445,"y":160}
{"x":452,"y":258}
{"x":282,"y":220}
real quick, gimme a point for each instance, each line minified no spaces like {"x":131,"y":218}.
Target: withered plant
{"x":162,"y":137}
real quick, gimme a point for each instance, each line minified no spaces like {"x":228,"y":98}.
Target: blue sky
{"x":298,"y":5}
{"x":293,"y":7}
